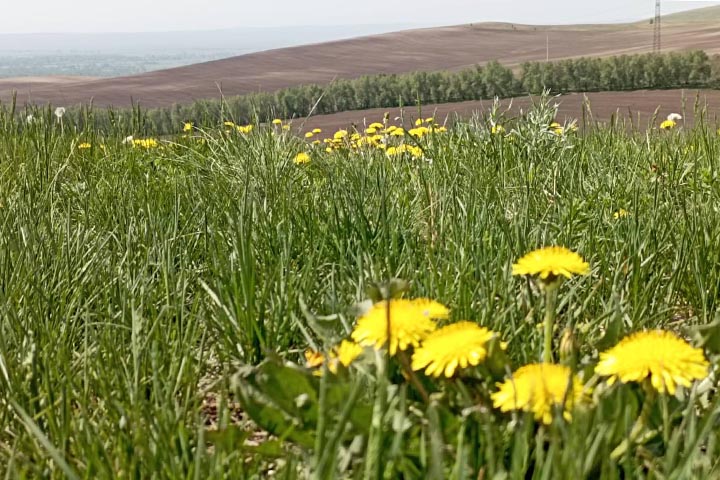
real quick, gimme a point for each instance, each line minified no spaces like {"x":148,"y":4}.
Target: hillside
{"x":444,"y":48}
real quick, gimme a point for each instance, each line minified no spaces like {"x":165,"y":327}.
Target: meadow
{"x":206,"y":304}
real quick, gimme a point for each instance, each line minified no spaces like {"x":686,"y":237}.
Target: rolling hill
{"x":444,"y":48}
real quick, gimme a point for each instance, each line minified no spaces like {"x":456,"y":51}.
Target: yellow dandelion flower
{"x":460,"y":344}
{"x":277,"y":121}
{"x":418,"y":122}
{"x":429,"y":120}
{"x":316,"y":131}
{"x":419,"y":132}
{"x":229,"y":124}
{"x":301,"y":158}
{"x":328,"y":149}
{"x":343,"y":354}
{"x":550,"y":263}
{"x":245,"y":128}
{"x":145,"y":142}
{"x":340,"y":134}
{"x":316,"y":142}
{"x":371,"y":130}
{"x":346,"y":353}
{"x":188,"y":127}
{"x":410,"y":322}
{"x":538,"y":388}
{"x":309,"y":135}
{"x":286,"y":127}
{"x":84,"y":146}
{"x":440,"y":130}
{"x":415,"y":152}
{"x":497,"y":130}
{"x":314,"y":359}
{"x":668,"y":125}
{"x":622,"y":213}
{"x":398,"y":132}
{"x":376,"y":126}
{"x":661,"y":356}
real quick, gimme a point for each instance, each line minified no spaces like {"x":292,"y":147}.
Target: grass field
{"x":157,"y":298}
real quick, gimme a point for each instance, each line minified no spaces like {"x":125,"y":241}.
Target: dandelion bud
{"x":568,"y":347}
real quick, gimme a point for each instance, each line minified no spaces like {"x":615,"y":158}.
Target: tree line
{"x":626,"y":72}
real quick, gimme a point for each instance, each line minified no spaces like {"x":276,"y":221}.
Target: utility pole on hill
{"x":657,"y":45}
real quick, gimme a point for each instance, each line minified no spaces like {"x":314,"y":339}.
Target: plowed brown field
{"x":635,"y":108}
{"x":446,"y":48}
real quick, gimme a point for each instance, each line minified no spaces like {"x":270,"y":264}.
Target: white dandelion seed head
{"x":59,"y":112}
{"x":674,"y":117}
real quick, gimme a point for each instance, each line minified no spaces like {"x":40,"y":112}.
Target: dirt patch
{"x":636,"y":108}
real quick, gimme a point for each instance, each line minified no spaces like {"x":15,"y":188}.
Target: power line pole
{"x":657,"y":44}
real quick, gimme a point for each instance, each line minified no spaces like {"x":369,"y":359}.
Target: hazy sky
{"x":28,"y":16}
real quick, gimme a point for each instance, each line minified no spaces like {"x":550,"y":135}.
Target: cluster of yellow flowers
{"x":239,"y":128}
{"x":559,"y":130}
{"x":378,"y":136}
{"x":658,"y":358}
{"x":145,"y":143}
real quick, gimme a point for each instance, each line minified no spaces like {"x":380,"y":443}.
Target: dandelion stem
{"x":550,"y":300}
{"x":410,"y":374}
{"x":638,"y":427}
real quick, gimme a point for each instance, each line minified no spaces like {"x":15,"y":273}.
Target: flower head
{"x":84,"y":146}
{"x":622,"y":213}
{"x":551,"y":262}
{"x":537,"y":388}
{"x":301,"y":158}
{"x":345,"y":353}
{"x":342,"y":354}
{"x":674,"y":117}
{"x":497,"y":130}
{"x":145,"y":142}
{"x":277,"y":121}
{"x":556,"y":128}
{"x":410,"y":322}
{"x":661,"y":356}
{"x":309,"y":134}
{"x":59,"y":112}
{"x":188,"y":127}
{"x":460,"y":344}
{"x":316,"y":130}
{"x":668,"y":124}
